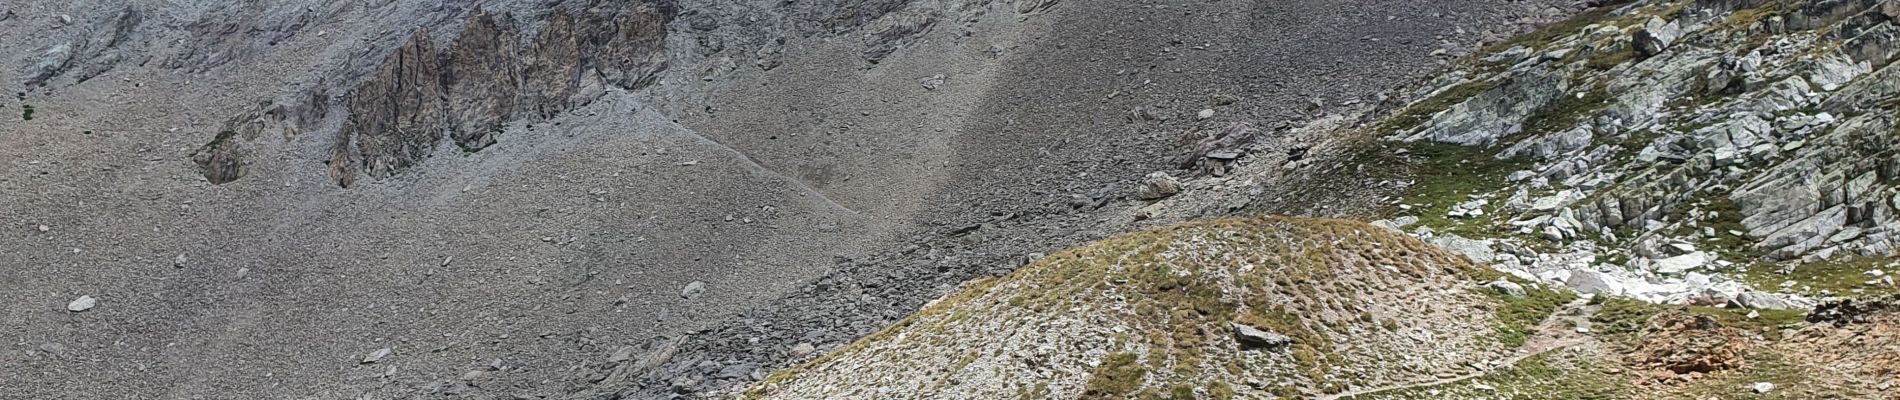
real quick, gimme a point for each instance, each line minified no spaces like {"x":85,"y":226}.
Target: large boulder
{"x":1656,"y":36}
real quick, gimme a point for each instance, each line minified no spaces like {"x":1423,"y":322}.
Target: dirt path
{"x":1552,"y":334}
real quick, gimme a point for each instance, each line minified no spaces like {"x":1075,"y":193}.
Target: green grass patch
{"x":1548,"y":33}
{"x":1553,"y":376}
{"x":1565,"y":112}
{"x":1625,"y":319}
{"x":1725,"y":218}
{"x":1423,"y":110}
{"x":1621,"y":316}
{"x":1846,"y":277}
{"x":1518,"y":317}
{"x":1610,"y":58}
{"x":1117,"y":376}
{"x":1446,"y":175}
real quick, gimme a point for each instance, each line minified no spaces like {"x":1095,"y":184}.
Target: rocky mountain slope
{"x":586,"y":199}
{"x":1712,"y":175}
{"x":1675,"y":150}
{"x":1232,"y":308}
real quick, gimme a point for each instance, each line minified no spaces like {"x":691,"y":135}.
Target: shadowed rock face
{"x":486,"y":77}
{"x":395,"y":117}
{"x":481,"y":80}
{"x":221,"y":161}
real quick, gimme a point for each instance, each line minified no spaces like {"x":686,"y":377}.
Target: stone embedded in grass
{"x":1254,"y":338}
{"x":1506,"y":288}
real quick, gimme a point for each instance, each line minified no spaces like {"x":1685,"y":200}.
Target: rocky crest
{"x":1234,"y":308}
{"x":488,"y":76}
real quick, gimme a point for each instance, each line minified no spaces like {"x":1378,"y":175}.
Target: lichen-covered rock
{"x":1754,"y":129}
{"x":1497,"y":112}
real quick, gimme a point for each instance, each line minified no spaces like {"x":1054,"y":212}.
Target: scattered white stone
{"x":1762,"y":387}
{"x":623,"y":354}
{"x":44,"y":228}
{"x":1506,"y":288}
{"x":82,"y":303}
{"x":693,"y":290}
{"x":1683,"y":247}
{"x":1255,"y":337}
{"x":1205,"y":113}
{"x":932,"y":83}
{"x":1593,"y":282}
{"x":1159,"y":185}
{"x":1683,"y":263}
{"x":377,"y":355}
{"x":803,"y":349}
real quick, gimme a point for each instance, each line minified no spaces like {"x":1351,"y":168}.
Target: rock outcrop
{"x":1757,"y":131}
{"x":101,"y":50}
{"x":488,"y":76}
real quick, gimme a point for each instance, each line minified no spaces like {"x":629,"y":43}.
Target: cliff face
{"x":482,"y":77}
{"x":488,"y":76}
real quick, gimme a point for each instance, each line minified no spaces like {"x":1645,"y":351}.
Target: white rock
{"x":1554,"y":234}
{"x":1477,"y":249}
{"x":693,"y":290}
{"x":1762,"y":387}
{"x":1682,"y":263}
{"x":1683,"y":247}
{"x":1205,"y":113}
{"x":933,"y":82}
{"x":1593,"y":282}
{"x":623,"y":354}
{"x":1506,"y":288}
{"x":82,"y":303}
{"x":377,"y":355}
